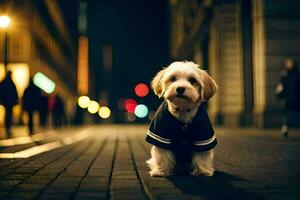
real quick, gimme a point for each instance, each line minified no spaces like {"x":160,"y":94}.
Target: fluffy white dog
{"x":181,"y":130}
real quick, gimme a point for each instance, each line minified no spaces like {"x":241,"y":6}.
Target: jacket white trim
{"x":158,"y":138}
{"x":205,"y":142}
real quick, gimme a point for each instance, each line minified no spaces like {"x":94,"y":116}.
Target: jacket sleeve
{"x":158,"y":132}
{"x":205,"y":138}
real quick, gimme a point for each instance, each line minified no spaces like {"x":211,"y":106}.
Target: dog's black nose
{"x":180,"y":90}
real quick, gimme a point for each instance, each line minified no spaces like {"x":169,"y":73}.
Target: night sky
{"x":138,"y":32}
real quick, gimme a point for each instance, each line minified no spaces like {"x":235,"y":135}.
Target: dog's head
{"x":184,"y":84}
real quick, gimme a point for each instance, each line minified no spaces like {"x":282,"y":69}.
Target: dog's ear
{"x":156,"y":83}
{"x":209,"y":85}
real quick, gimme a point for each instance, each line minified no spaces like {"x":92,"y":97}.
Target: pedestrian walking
{"x":8,"y":98}
{"x":59,"y":112}
{"x":31,"y":102}
{"x":288,"y":89}
{"x":57,"y":109}
{"x":44,"y":111}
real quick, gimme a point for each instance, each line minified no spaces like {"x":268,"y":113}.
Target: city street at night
{"x":108,"y":162}
{"x":156,"y":100}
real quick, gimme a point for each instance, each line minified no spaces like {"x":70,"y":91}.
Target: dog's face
{"x":184,"y":84}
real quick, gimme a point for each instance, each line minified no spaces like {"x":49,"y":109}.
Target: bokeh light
{"x":130,"y":105}
{"x":83,"y":101}
{"x":43,"y":82}
{"x":141,"y":111}
{"x":141,"y":90}
{"x":4,"y":21}
{"x":93,"y":107}
{"x":129,"y":117}
{"x":104,"y":112}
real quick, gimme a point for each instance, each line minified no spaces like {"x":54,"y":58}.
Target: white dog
{"x":180,"y":130}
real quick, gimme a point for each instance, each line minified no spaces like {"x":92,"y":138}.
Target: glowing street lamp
{"x":4,"y":23}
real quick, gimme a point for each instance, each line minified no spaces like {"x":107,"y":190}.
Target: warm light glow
{"x":20,"y":76}
{"x":4,"y":21}
{"x":141,"y":111}
{"x":83,"y":66}
{"x":130,"y":105}
{"x":83,"y":101}
{"x":47,"y":147}
{"x":28,"y":139}
{"x":104,"y":112}
{"x":2,"y":114}
{"x":141,"y":90}
{"x":2,"y":71}
{"x":43,"y":82}
{"x":93,"y":107}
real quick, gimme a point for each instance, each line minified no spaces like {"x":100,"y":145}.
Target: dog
{"x":180,"y":131}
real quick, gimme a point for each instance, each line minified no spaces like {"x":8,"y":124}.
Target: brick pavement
{"x":110,"y":164}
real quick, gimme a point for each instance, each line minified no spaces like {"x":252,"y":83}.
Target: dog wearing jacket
{"x":181,"y":130}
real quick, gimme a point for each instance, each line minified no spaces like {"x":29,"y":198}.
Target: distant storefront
{"x":38,"y":42}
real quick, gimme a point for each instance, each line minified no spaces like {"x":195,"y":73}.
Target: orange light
{"x":141,"y":90}
{"x":83,"y":66}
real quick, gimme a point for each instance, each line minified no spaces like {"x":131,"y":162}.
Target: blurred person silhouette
{"x":44,"y":111}
{"x":31,"y":102}
{"x":8,"y":98}
{"x":56,"y":106}
{"x":288,"y":89}
{"x":59,"y":112}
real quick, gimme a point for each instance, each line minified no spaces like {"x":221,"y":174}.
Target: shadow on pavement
{"x":217,"y":187}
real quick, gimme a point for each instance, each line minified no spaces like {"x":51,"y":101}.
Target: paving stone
{"x":22,"y":195}
{"x":17,"y":176}
{"x":91,"y":195}
{"x":124,"y":177}
{"x":93,"y":186}
{"x":85,"y":171}
{"x":30,"y":187}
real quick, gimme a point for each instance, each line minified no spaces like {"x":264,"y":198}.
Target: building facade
{"x":242,"y":43}
{"x":39,"y":41}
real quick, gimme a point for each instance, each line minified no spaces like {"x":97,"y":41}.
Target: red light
{"x":130,"y":105}
{"x":141,"y":90}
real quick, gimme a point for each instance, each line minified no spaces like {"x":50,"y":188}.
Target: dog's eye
{"x":192,"y":80}
{"x":173,"y":79}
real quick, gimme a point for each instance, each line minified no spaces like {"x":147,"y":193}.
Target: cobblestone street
{"x":109,"y":163}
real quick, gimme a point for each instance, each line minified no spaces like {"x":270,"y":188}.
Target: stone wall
{"x":225,"y":64}
{"x":277,"y":36}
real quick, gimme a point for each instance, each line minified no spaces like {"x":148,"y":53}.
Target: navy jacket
{"x":169,"y":133}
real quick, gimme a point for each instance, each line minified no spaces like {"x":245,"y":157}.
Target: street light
{"x":4,"y":23}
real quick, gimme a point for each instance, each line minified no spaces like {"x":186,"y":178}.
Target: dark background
{"x":138,"y":33}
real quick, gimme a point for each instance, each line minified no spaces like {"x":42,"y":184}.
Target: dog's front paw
{"x":158,"y":173}
{"x":202,"y":173}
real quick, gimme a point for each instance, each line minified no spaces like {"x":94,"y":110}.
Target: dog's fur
{"x":199,"y":87}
